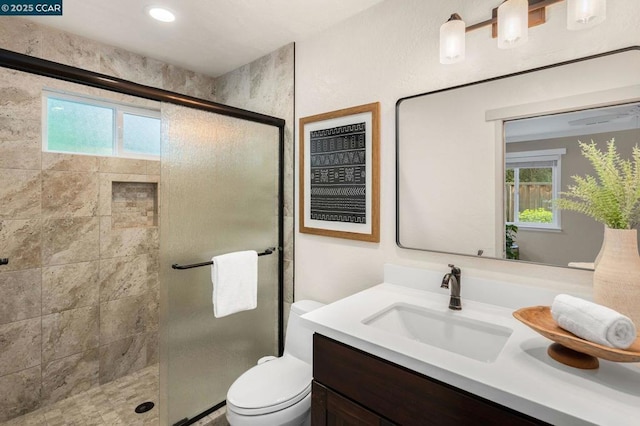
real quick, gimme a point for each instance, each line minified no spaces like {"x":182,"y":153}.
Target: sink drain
{"x":144,"y":407}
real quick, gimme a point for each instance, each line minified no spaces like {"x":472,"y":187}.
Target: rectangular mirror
{"x":477,"y":160}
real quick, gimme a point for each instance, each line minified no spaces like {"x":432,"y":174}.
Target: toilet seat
{"x":271,"y":386}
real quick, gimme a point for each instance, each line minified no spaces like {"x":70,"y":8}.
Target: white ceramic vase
{"x":616,"y":279}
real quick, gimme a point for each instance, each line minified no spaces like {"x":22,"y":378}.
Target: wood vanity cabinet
{"x":352,"y":387}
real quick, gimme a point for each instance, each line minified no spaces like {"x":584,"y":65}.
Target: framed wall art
{"x":340,"y":173}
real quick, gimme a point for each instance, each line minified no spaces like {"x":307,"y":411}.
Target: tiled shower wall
{"x":79,"y":297}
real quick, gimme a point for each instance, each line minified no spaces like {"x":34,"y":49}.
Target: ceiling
{"x":208,"y":36}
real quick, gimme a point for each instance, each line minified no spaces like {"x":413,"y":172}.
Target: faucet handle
{"x":454,"y":269}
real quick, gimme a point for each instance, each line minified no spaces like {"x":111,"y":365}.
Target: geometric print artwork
{"x":338,"y":174}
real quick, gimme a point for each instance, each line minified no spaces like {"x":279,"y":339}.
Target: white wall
{"x":391,"y":51}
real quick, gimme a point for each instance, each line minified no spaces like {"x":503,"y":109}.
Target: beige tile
{"x":20,"y":194}
{"x":70,"y":286}
{"x":153,"y":167}
{"x":20,"y":243}
{"x":19,"y":129}
{"x":130,"y":66}
{"x":70,"y":240}
{"x":126,"y":317}
{"x":21,"y":36}
{"x":199,"y":86}
{"x":67,"y":48}
{"x":122,"y":357}
{"x":174,"y":78}
{"x":124,"y":277}
{"x":20,"y":154}
{"x":127,"y":241}
{"x":20,"y":393}
{"x":69,"y":332}
{"x":34,"y":418}
{"x":20,"y":295}
{"x":152,"y":349}
{"x":69,"y":162}
{"x":22,"y":102}
{"x":67,"y":194}
{"x":20,"y":345}
{"x":106,"y":405}
{"x":69,"y":376}
{"x":122,"y":165}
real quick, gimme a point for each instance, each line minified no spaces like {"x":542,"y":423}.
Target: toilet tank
{"x":299,"y":339}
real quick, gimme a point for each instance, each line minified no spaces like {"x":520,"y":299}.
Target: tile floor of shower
{"x":111,"y":404}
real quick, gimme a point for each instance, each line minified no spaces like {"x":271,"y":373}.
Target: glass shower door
{"x":219,"y":194}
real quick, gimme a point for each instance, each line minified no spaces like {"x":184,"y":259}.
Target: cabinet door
{"x":331,"y":409}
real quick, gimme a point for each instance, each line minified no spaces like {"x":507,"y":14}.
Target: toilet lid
{"x":271,"y":386}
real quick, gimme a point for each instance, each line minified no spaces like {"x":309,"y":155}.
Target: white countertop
{"x":523,"y":377}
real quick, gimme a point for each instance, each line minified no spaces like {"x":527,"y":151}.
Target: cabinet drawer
{"x":401,"y":395}
{"x":331,"y":409}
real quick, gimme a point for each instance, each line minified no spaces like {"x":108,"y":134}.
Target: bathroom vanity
{"x":395,"y":354}
{"x":402,"y":396}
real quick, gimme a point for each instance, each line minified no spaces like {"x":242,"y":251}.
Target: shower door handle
{"x":4,"y":261}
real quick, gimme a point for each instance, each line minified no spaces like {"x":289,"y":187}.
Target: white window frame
{"x":544,"y":155}
{"x":118,"y":109}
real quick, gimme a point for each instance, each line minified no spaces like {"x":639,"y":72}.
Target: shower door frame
{"x":56,"y":70}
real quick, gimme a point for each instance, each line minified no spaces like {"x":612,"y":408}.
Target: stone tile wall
{"x":79,"y":297}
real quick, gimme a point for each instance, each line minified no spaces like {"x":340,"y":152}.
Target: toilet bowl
{"x":277,"y":392}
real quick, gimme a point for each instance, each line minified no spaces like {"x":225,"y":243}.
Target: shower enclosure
{"x":220,"y":190}
{"x":220,"y":194}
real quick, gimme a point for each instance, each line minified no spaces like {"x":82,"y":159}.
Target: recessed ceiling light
{"x":161,"y":14}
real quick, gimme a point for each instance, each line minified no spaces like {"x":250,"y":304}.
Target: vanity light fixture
{"x":452,"y":39}
{"x":161,"y":14}
{"x":511,"y":20}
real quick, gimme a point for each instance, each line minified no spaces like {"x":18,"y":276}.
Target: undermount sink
{"x":475,"y":339}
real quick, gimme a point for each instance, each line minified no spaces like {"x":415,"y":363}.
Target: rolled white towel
{"x":593,"y":322}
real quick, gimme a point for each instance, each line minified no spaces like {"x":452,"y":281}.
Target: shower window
{"x":81,"y":125}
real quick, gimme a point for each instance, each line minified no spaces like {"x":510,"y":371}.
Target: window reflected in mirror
{"x":541,"y":156}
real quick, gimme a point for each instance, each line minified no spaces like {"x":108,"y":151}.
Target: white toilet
{"x":277,"y":391}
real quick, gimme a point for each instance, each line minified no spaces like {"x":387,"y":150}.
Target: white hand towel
{"x":593,"y":322}
{"x":235,"y":282}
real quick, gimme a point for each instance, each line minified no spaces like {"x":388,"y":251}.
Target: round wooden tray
{"x":570,"y":349}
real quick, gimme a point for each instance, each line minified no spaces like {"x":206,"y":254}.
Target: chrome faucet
{"x":453,"y":277}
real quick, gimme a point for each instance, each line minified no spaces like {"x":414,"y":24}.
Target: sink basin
{"x":479,"y":340}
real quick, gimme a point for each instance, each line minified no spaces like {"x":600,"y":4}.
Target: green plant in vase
{"x":612,"y":197}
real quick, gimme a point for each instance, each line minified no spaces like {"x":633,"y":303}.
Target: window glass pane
{"x":77,"y":127}
{"x":141,"y":134}
{"x":535,"y":193}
